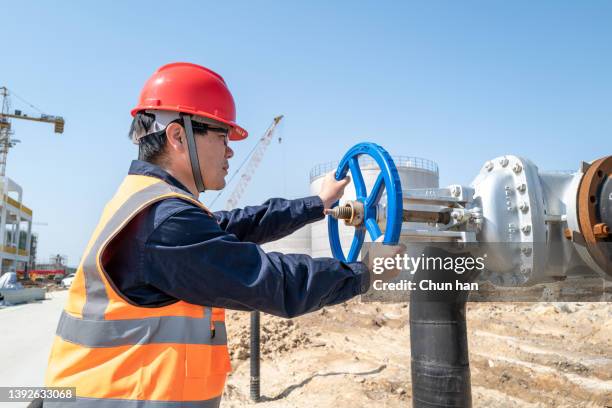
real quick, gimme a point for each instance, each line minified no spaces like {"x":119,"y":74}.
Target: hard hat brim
{"x":236,"y":132}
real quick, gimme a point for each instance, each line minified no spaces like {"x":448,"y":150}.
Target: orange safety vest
{"x":118,"y":354}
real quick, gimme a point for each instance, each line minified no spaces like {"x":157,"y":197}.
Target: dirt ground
{"x":358,"y":354}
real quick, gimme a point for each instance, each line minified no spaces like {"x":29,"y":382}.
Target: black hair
{"x":150,"y":147}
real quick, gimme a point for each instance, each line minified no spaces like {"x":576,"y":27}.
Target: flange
{"x":591,"y":202}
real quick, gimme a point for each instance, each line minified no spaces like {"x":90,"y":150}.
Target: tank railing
{"x":364,"y":161}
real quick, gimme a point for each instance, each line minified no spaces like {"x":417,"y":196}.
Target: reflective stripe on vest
{"x":120,"y":354}
{"x":166,"y":329}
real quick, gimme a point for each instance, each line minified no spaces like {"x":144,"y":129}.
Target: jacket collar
{"x":143,"y":168}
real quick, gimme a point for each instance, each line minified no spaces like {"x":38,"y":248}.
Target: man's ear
{"x":175,"y":136}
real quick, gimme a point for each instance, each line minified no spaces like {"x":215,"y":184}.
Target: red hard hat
{"x":193,"y":89}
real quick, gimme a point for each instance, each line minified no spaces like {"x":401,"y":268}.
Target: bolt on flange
{"x":601,"y":230}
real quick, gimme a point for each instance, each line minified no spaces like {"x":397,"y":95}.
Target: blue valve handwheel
{"x":390,"y":180}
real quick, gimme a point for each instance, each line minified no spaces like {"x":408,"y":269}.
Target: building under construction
{"x":15,"y":227}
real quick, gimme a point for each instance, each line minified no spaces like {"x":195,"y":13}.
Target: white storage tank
{"x":414,"y":172}
{"x":296,"y":243}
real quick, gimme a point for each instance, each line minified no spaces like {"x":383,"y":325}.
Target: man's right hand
{"x":332,"y":189}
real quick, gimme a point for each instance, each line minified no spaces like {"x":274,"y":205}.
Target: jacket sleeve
{"x":190,"y":258}
{"x":274,"y":219}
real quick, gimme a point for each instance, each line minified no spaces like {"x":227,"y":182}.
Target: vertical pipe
{"x":440,"y":364}
{"x":255,"y":390}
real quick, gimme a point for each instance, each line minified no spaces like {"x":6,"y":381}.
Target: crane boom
{"x":57,"y":120}
{"x":252,"y":165}
{"x":5,"y":126}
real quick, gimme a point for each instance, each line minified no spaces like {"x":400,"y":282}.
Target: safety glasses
{"x":202,"y":128}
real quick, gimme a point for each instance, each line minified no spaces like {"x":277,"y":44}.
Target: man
{"x":144,"y":321}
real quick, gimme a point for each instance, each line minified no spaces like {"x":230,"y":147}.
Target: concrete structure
{"x":24,"y":295}
{"x":15,"y":227}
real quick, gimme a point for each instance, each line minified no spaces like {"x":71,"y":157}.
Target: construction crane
{"x":6,"y":142}
{"x":256,"y":157}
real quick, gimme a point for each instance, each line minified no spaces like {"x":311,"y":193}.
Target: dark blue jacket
{"x":174,"y":251}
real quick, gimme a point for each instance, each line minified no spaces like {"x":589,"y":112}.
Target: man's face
{"x":213,"y":154}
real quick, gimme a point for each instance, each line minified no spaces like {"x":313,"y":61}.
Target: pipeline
{"x":440,"y":363}
{"x":254,"y":357}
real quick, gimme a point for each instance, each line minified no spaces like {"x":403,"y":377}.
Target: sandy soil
{"x":358,"y":354}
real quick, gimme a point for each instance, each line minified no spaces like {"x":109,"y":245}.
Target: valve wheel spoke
{"x":373,"y":229}
{"x":357,"y":243}
{"x":376,"y":192}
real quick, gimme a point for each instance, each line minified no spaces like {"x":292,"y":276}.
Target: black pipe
{"x":254,"y":357}
{"x":440,"y":363}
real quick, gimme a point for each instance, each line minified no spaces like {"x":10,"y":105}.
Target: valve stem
{"x":344,"y":212}
{"x":352,"y":213}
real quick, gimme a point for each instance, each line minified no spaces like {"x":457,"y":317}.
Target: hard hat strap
{"x":193,"y":153}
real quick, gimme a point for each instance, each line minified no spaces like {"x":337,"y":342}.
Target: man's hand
{"x":332,"y":189}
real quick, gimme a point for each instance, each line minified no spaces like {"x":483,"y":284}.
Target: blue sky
{"x":455,"y":82}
